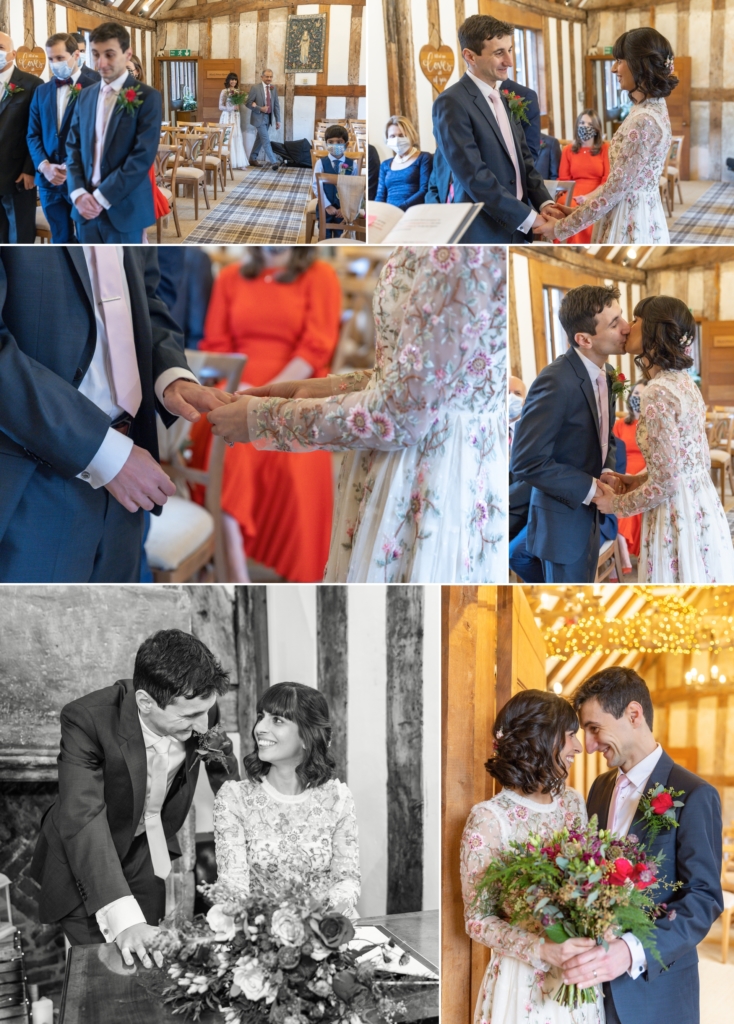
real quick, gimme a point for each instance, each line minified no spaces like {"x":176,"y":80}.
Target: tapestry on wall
{"x":305,"y":43}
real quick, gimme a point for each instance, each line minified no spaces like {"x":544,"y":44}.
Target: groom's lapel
{"x":605,"y":798}
{"x":586,"y":387}
{"x":659,"y":775}
{"x":483,"y":106}
{"x":132,"y":747}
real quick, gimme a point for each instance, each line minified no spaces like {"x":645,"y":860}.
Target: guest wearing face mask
{"x":404,"y":178}
{"x":626,"y":430}
{"x":336,"y":138}
{"x":17,"y":184}
{"x":585,"y":161}
{"x":48,"y":125}
{"x":83,"y":61}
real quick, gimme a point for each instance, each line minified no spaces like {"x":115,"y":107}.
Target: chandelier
{"x":665,"y":623}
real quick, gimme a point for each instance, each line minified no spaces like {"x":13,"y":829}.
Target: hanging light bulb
{"x":632,"y":254}
{"x":722,"y":679}
{"x":714,"y":671}
{"x":558,"y":687}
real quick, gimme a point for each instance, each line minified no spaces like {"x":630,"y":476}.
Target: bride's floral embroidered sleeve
{"x":632,"y":171}
{"x":344,"y":869}
{"x":229,"y":840}
{"x":480,"y":843}
{"x":454,"y":314}
{"x":659,"y":418}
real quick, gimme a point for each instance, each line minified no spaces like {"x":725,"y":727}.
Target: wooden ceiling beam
{"x":108,"y":13}
{"x":204,"y":11}
{"x":551,"y":10}
{"x":582,"y":261}
{"x":700,"y":256}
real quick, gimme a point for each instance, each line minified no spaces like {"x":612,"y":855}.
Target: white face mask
{"x":60,"y":69}
{"x":400,"y":144}
{"x":3,"y":60}
{"x":514,"y":408}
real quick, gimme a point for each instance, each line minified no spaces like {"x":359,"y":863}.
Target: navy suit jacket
{"x":88,"y":830}
{"x":549,"y":160}
{"x":45,"y":140}
{"x":557,"y":449}
{"x":14,"y":156}
{"x":692,"y":855}
{"x":43,"y":418}
{"x":532,"y":128}
{"x":468,"y":136}
{"x":130,"y":146}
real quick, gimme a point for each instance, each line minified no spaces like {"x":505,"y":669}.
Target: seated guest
{"x":531,"y":127}
{"x":135,"y":68}
{"x":585,"y":161}
{"x":48,"y":125}
{"x":336,"y":139}
{"x":626,"y":430}
{"x":111,"y":146}
{"x":549,"y":158}
{"x":17,"y":181}
{"x":516,"y":400}
{"x":404,"y":177}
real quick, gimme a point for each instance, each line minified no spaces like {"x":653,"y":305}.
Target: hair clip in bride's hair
{"x":686,"y":340}
{"x":670,"y":65}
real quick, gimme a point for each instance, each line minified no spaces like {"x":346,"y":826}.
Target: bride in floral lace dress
{"x":685,"y":537}
{"x":421,"y":493}
{"x":535,"y":741}
{"x":627,"y":208}
{"x":290,"y":824}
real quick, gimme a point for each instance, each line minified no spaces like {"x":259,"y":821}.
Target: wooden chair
{"x":213,"y":159}
{"x":163,"y":175}
{"x":224,"y":149}
{"x":358,"y":225}
{"x":672,"y":168}
{"x":609,"y":560}
{"x":191,"y":173}
{"x":719,"y":437}
{"x":211,"y":543}
{"x":555,"y":187}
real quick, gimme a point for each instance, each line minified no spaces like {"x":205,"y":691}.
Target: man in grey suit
{"x":564,"y":442}
{"x":264,"y":107}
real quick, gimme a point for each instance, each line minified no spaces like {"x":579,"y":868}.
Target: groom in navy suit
{"x":616,"y":714}
{"x":112,"y":143}
{"x":50,"y":116}
{"x":483,"y":147}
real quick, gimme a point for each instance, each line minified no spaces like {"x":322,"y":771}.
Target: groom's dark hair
{"x":171,"y":664}
{"x":475,"y":31}
{"x":615,"y":688}
{"x":111,"y":30}
{"x":581,"y":306}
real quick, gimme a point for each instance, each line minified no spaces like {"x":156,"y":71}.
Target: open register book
{"x":430,"y":224}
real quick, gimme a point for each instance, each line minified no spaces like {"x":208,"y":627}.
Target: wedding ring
{"x":594,"y":973}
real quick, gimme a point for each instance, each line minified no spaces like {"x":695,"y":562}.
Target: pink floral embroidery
{"x":383,"y":426}
{"x":360,"y":421}
{"x":444,"y":257}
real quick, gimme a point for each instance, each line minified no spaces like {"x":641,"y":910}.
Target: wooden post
{"x":399,"y":53}
{"x":404,"y":612}
{"x":5,"y":16}
{"x":261,"y":44}
{"x":332,"y":666}
{"x":205,"y":43}
{"x":355,"y":49}
{"x":212,"y":621}
{"x":50,"y":19}
{"x":322,"y":78}
{"x":253,"y":664}
{"x":29,"y":27}
{"x":234,"y":36}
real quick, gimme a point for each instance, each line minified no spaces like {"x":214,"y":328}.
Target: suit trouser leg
{"x":64,"y":531}
{"x":57,"y":210}
{"x":581,"y":571}
{"x":610,"y":1011}
{"x":527,"y":566}
{"x":102,"y":230}
{"x":20,"y":215}
{"x":263,"y":137}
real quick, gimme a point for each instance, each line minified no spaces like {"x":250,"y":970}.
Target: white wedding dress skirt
{"x":513,"y":997}
{"x":237,"y":155}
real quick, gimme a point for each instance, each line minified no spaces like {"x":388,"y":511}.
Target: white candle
{"x":43,"y":1011}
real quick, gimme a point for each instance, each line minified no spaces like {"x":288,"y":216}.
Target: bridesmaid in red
{"x":282,"y":309}
{"x":585,"y":161}
{"x":626,"y":430}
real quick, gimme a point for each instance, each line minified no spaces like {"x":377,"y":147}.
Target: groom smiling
{"x":616,"y":714}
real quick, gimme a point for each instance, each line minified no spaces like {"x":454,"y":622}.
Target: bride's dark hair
{"x":668,"y":329}
{"x":308,"y":708}
{"x":649,"y":56}
{"x":530,"y":734}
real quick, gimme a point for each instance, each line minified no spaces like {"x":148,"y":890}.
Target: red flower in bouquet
{"x":640,"y":875}
{"x":661,"y":803}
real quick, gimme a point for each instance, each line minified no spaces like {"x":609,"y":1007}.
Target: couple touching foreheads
{"x":565,"y":448}
{"x":128,"y":768}
{"x":535,"y":744}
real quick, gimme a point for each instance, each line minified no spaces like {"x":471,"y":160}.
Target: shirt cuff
{"x":637,"y":952}
{"x":111,"y":456}
{"x":101,"y":199}
{"x":169,"y":376}
{"x":76,"y":193}
{"x":40,"y":166}
{"x":548,"y":202}
{"x":117,"y":916}
{"x":592,"y":492}
{"x":528,"y":222}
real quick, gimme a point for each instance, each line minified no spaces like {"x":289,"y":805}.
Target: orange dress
{"x":160,"y":203}
{"x":283,"y":502}
{"x":630,"y":527}
{"x":589,"y":172}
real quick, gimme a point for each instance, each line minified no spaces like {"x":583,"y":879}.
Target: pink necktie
{"x":119,"y":326}
{"x":103,"y":114}
{"x":623,"y":784}
{"x":604,"y":410}
{"x":504,"y":122}
{"x":267,"y":99}
{"x":159,"y":854}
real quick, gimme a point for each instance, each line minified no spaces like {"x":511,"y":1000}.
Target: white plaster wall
{"x":423,"y":88}
{"x":569,"y":110}
{"x":220,"y":38}
{"x":304,"y":113}
{"x":61,"y":23}
{"x":726,"y":291}
{"x":378,"y":108}
{"x":340,"y":25}
{"x":16,"y":22}
{"x":666,"y":22}
{"x":292,"y":634}
{"x":695,"y":289}
{"x":40,"y":31}
{"x":555,"y":76}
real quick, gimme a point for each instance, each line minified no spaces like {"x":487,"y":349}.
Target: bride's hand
{"x":232,"y":427}
{"x":317,"y":387}
{"x":557,"y":953}
{"x":629,"y":482}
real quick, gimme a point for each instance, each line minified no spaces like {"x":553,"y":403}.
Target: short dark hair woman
{"x":627,"y":208}
{"x":534,"y":745}
{"x":291,"y":824}
{"x":685,"y":536}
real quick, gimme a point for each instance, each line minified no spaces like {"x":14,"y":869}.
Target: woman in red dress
{"x":585,"y":161}
{"x":626,"y":430}
{"x":282,"y":309}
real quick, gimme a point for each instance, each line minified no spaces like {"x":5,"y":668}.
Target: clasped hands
{"x":583,"y":963}
{"x":545,"y":222}
{"x":610,"y":485}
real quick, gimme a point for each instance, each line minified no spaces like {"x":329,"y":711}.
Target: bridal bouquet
{"x":579,"y":882}
{"x":256,"y":961}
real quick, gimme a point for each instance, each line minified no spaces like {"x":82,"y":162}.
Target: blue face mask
{"x":80,"y":60}
{"x":61,"y":70}
{"x":336,"y":148}
{"x":3,"y":59}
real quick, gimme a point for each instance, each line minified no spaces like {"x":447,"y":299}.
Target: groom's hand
{"x":598,"y":965}
{"x":141,"y":483}
{"x":135,"y":939}
{"x":186,"y":398}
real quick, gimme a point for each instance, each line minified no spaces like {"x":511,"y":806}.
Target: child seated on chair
{"x":336,"y":138}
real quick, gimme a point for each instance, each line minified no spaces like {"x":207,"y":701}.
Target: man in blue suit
{"x":616,"y":714}
{"x":564,"y":442}
{"x":50,"y":116}
{"x":481,"y":144}
{"x":531,"y":127}
{"x":111,"y":146}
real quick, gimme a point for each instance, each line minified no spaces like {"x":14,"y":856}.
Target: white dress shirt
{"x":115,"y":917}
{"x":624,"y":814}
{"x":97,"y":386}
{"x":484,"y":88}
{"x":593,"y":371}
{"x":116,"y":86}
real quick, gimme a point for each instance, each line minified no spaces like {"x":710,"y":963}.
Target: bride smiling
{"x":290,"y":824}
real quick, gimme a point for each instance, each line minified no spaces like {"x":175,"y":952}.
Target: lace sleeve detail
{"x":223,"y":100}
{"x":575,"y":806}
{"x":451,"y":317}
{"x":632,"y":169}
{"x":229,"y":840}
{"x":480,"y":843}
{"x":357,"y":380}
{"x":659,"y":412}
{"x":344,"y":871}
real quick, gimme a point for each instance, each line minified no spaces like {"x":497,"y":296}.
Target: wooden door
{"x":717,"y":362}
{"x":679,"y":111}
{"x":212,"y":74}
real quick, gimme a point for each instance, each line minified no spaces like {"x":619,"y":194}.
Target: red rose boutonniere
{"x":214,"y":747}
{"x":518,"y":106}
{"x":11,"y":89}
{"x":657,"y":809}
{"x":74,"y":93}
{"x":620,"y":384}
{"x":129,"y":99}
